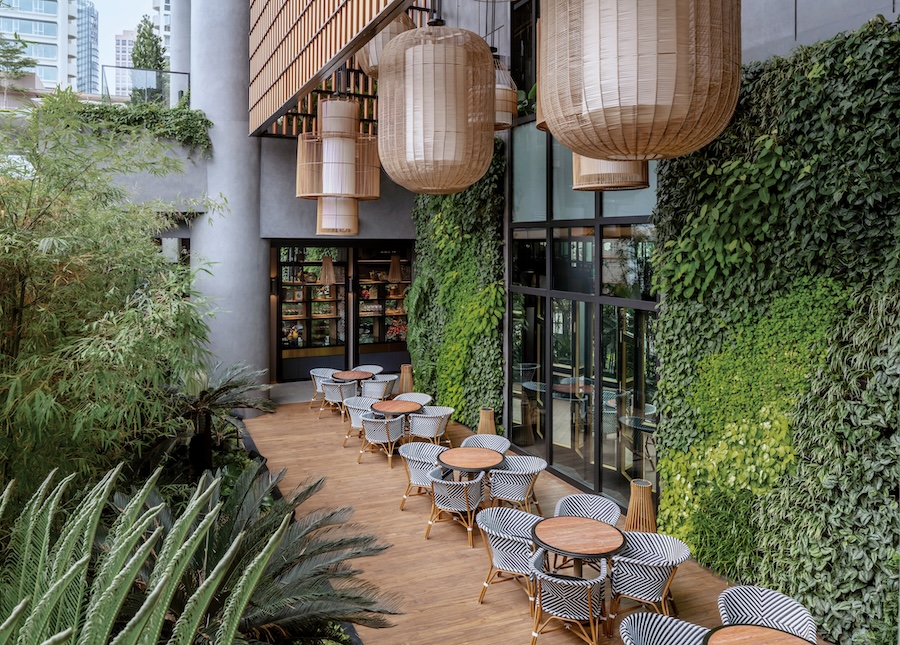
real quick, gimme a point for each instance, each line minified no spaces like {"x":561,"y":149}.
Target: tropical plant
{"x":226,"y":569}
{"x":14,"y":64}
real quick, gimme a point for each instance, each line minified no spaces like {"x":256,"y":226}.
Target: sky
{"x":116,"y":16}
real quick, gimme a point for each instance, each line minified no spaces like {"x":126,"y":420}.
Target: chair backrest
{"x":655,"y":629}
{"x":587,"y":505}
{"x":643,"y":569}
{"x":381,"y":430}
{"x":374,"y":369}
{"x":420,"y":459}
{"x":491,"y":441}
{"x":379,"y":386}
{"x":357,"y":406}
{"x":515,"y":480}
{"x":439,"y":410}
{"x":507,"y":535}
{"x":766,"y":607}
{"x":319,"y":374}
{"x":460,"y":496}
{"x":335,"y":392}
{"x":415,"y":397}
{"x":574,"y":598}
{"x":427,"y":426}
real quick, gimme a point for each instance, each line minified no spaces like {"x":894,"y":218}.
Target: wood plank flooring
{"x":437,"y":580}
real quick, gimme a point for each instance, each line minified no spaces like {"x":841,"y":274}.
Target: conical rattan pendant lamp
{"x":599,"y":174}
{"x":338,"y":166}
{"x":369,"y":56}
{"x":506,"y":96}
{"x":436,"y":109}
{"x":639,"y":79}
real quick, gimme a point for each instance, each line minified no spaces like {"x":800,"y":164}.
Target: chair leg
{"x":535,"y":630}
{"x":362,"y":449}
{"x":324,"y":403}
{"x":431,"y":519}
{"x":405,"y":495}
{"x":487,"y":583}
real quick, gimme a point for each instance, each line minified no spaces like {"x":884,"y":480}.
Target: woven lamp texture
{"x":639,"y":79}
{"x":506,"y":97}
{"x":599,"y":174}
{"x":539,"y":121}
{"x":436,"y":109}
{"x":368,"y":57}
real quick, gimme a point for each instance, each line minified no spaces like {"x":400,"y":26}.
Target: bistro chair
{"x":507,"y":538}
{"x":372,"y":369}
{"x":380,"y":432}
{"x":429,"y":427}
{"x":445,"y":412}
{"x":415,"y":397}
{"x":455,"y":501}
{"x":379,"y":387}
{"x":595,"y":507}
{"x":356,"y":406}
{"x":656,"y":629}
{"x":491,"y":441}
{"x":420,"y":459}
{"x":514,"y":483}
{"x":768,"y":608}
{"x":643,"y":570}
{"x":317,"y":375}
{"x":335,"y":394}
{"x":577,"y":604}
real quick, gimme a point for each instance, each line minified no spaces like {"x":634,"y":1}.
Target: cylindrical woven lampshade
{"x":599,"y":174}
{"x":506,"y":97}
{"x":639,"y":79}
{"x":368,"y":57}
{"x":337,"y":216}
{"x":641,"y":514}
{"x":436,"y":109}
{"x":539,"y":121}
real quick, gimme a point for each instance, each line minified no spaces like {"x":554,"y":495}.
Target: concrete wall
{"x":177,"y":188}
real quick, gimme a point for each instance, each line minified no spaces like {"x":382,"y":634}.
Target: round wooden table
{"x":393,"y":408}
{"x":750,"y":635}
{"x":470,"y":460}
{"x":578,"y":538}
{"x":352,"y":375}
{"x":573,"y":389}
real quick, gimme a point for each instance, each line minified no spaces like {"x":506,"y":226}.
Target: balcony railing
{"x":144,"y":85}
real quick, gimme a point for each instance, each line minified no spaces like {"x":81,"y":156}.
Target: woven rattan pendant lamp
{"x":599,"y":174}
{"x":436,"y":109}
{"x":338,"y":166}
{"x":539,"y":121}
{"x":506,"y":97}
{"x":369,"y":56}
{"x":639,"y":79}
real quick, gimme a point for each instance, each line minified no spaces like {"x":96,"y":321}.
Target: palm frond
{"x":60,"y":638}
{"x":9,"y":626}
{"x":39,"y":616}
{"x":132,"y":631}
{"x":7,"y":493}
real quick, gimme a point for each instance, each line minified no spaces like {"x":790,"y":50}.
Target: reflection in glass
{"x":528,"y":399}
{"x":572,"y":389}
{"x":631,"y":203}
{"x":625,"y":257}
{"x":529,"y":257}
{"x":568,"y":203}
{"x":573,"y":259}
{"x":529,"y":172}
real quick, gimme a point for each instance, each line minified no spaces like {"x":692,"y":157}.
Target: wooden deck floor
{"x":438,"y":580}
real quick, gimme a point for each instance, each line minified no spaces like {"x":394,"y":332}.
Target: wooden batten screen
{"x":294,"y":46}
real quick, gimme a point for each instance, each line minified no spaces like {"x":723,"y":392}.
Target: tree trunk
{"x":200,"y":450}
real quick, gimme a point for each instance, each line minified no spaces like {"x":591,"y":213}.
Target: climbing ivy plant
{"x":779,"y":260}
{"x":456,"y":301}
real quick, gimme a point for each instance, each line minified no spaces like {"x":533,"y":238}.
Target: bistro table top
{"x":750,"y":634}
{"x":396,"y":407}
{"x":573,"y":388}
{"x":470,"y":459}
{"x":638,"y":423}
{"x":352,"y":375}
{"x":578,"y":537}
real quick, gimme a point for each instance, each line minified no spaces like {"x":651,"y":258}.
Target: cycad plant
{"x":225,"y":570}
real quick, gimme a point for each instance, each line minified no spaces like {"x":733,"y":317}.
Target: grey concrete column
{"x":230,"y":241}
{"x":180,"y":47}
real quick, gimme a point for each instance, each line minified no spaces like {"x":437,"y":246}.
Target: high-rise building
{"x":124,"y":47}
{"x":88,"y":61}
{"x":49,"y":28}
{"x":162,"y":23}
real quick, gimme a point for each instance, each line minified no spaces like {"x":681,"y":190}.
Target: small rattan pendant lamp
{"x":436,"y":109}
{"x":369,"y":56}
{"x":506,"y":97}
{"x":599,"y":174}
{"x":639,"y":79}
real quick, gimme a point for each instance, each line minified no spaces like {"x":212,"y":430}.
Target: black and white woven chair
{"x":334,"y":396}
{"x":507,"y":538}
{"x":378,"y":387}
{"x":415,"y":397}
{"x":595,"y":507}
{"x":445,"y":412}
{"x":455,"y":501}
{"x":425,"y":426}
{"x":514,"y":483}
{"x":492,"y":441}
{"x":317,"y":375}
{"x":420,"y":459}
{"x":656,"y":629}
{"x":577,"y":604}
{"x":768,"y":608}
{"x":372,"y":369}
{"x":643,"y":570}
{"x":356,"y":406}
{"x":380,"y":432}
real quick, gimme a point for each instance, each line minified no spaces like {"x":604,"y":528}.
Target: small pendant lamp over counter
{"x":436,"y":109}
{"x":599,"y":174}
{"x":639,"y":79}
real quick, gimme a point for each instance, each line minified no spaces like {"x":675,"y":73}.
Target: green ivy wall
{"x":456,"y":302}
{"x":779,"y":335}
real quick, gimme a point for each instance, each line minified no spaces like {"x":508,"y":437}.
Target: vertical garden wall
{"x":456,"y":301}
{"x":779,"y":335}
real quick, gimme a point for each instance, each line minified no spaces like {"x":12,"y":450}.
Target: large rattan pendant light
{"x":639,"y":79}
{"x":369,"y":56}
{"x":436,"y":109}
{"x":338,"y":166}
{"x":599,"y":174}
